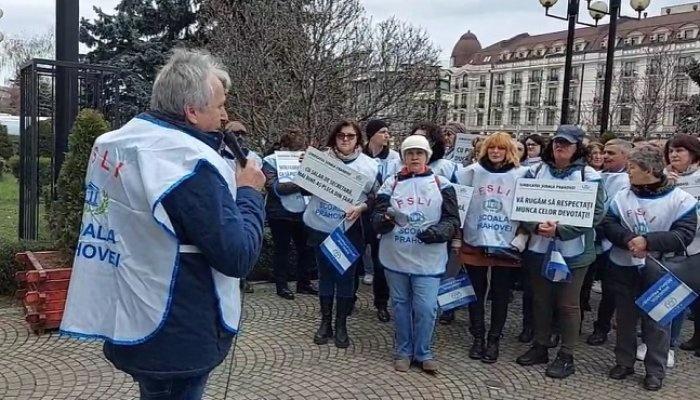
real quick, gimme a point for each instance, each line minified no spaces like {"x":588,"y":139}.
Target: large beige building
{"x":516,"y":84}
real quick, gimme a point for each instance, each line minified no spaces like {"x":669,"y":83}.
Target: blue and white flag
{"x":667,"y":298}
{"x":554,"y":267}
{"x":339,"y":250}
{"x":455,"y":292}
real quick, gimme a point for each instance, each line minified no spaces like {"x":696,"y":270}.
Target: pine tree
{"x":6,"y":147}
{"x":67,"y":210}
{"x":137,"y":39}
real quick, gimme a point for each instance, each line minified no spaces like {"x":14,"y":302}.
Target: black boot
{"x":526,"y":335}
{"x":383,"y":314}
{"x":597,"y":338}
{"x":491,"y":352}
{"x":476,"y":352}
{"x":554,"y":339}
{"x":325,"y":331}
{"x":561,"y":367}
{"x":536,"y":355}
{"x":342,"y":340}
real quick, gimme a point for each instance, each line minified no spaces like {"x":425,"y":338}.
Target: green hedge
{"x":263,"y":269}
{"x":8,"y":266}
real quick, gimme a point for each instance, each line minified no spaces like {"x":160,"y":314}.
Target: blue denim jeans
{"x":414,"y":300}
{"x":172,"y":389}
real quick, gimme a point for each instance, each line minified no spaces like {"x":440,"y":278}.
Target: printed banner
{"x":455,"y":292}
{"x":690,"y":184}
{"x":667,"y":298}
{"x":287,"y":164}
{"x":567,"y":203}
{"x":330,"y":179}
{"x":339,"y":250}
{"x":464,"y":198}
{"x":464,"y":145}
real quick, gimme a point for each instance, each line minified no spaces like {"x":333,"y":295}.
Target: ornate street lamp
{"x":597,"y":10}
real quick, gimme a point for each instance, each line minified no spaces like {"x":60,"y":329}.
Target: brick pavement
{"x":276,"y":359}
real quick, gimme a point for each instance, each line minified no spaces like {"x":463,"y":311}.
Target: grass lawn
{"x":9,"y":211}
{"x":9,"y":207}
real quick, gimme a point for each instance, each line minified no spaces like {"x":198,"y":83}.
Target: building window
{"x":536,"y":75}
{"x":515,"y":98}
{"x":462,"y":118}
{"x":552,"y":96}
{"x":550,"y":117}
{"x":517,"y":77}
{"x":628,"y":69}
{"x":532,"y":117}
{"x":625,"y":116}
{"x":499,"y":98}
{"x":554,"y":74}
{"x":497,"y":117}
{"x":482,"y":81}
{"x":515,"y":117}
{"x":465,"y":81}
{"x":482,"y":100}
{"x":534,"y":97}
{"x":479,"y":119}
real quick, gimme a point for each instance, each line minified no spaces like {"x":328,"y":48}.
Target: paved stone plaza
{"x":276,"y":359}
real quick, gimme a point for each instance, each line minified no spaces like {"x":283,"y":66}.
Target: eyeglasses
{"x":532,"y":145}
{"x":343,"y":136}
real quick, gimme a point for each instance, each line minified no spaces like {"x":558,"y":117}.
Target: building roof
{"x":523,"y":46}
{"x":464,"y":49}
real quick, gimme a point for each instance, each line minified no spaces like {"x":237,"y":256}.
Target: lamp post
{"x":597,"y":11}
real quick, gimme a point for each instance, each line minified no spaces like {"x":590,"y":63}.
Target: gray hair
{"x":650,"y":159}
{"x":184,"y":81}
{"x":624,"y":145}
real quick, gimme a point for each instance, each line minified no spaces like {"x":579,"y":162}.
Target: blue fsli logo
{"x":416,"y":218}
{"x":92,"y":195}
{"x":493,"y":205}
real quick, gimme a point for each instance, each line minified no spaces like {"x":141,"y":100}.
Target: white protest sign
{"x":464,"y":145}
{"x":568,"y":203}
{"x":464,"y":197}
{"x":690,"y":184}
{"x":330,"y":179}
{"x":287,"y":164}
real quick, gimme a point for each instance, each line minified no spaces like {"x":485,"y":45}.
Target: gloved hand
{"x":429,"y":235}
{"x":383,"y":223}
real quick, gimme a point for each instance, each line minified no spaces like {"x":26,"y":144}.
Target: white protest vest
{"x":420,"y":199}
{"x":445,"y":168}
{"x":389,"y":165}
{"x":613,"y":182}
{"x":295,"y":202}
{"x":323,"y":216}
{"x":488,"y":221}
{"x":694,"y":247}
{"x":644,"y":215}
{"x":127,"y":254}
{"x":567,"y":248}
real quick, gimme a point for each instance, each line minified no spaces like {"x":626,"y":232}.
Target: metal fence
{"x":42,"y":142}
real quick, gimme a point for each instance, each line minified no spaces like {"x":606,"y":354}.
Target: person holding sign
{"x":563,"y":159}
{"x":488,"y":232}
{"x":321,"y":218}
{"x":416,"y":213}
{"x":284,"y":206}
{"x":650,"y":217}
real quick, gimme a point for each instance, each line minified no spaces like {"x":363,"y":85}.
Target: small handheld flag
{"x":667,"y":298}
{"x":339,"y":250}
{"x":554,"y":266}
{"x":455,"y":292}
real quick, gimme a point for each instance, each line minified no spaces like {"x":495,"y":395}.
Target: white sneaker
{"x":671,"y":361}
{"x":597,"y":287}
{"x":641,"y":352}
{"x":368,"y":279}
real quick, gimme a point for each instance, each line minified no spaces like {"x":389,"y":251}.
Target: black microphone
{"x":232,"y":142}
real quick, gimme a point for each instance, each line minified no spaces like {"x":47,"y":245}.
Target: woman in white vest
{"x":682,"y":154}
{"x":321,"y":218}
{"x":563,"y":159}
{"x":651,"y":217}
{"x":437,"y":162}
{"x":284,"y":207}
{"x":487,"y":234}
{"x":416,"y":213}
{"x":534,"y":145}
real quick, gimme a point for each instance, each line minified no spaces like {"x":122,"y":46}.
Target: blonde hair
{"x":500,"y":139}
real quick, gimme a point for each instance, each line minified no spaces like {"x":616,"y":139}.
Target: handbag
{"x":686,"y":268}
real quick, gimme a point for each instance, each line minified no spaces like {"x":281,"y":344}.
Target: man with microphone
{"x":169,"y":226}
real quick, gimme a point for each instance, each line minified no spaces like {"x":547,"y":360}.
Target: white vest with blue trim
{"x":567,"y":248}
{"x":488,"y":221}
{"x":445,"y":168}
{"x":613,"y":182}
{"x":389,"y":165}
{"x":419,"y":198}
{"x":323,"y":216}
{"x":295,"y":202}
{"x":127,"y":255}
{"x":644,"y":215}
{"x":694,"y":247}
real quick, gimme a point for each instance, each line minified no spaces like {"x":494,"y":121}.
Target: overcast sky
{"x":445,"y":20}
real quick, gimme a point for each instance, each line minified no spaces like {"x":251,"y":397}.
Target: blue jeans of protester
{"x":414,"y":300}
{"x":172,"y":389}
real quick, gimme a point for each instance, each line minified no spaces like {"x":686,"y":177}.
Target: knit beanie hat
{"x":416,"y":142}
{"x":373,"y":126}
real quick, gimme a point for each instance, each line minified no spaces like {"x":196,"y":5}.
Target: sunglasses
{"x":346,"y":137}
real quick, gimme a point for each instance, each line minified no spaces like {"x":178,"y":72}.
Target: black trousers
{"x":284,"y":232}
{"x":380,"y":289}
{"x":500,"y":292}
{"x":606,"y":308}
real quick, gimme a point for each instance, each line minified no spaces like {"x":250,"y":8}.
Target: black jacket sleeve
{"x":615,"y":232}
{"x":443,"y":231}
{"x":380,"y":224}
{"x":683,"y":229}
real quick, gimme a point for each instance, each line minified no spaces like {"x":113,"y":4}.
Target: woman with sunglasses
{"x":321,"y":218}
{"x":563,"y":159}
